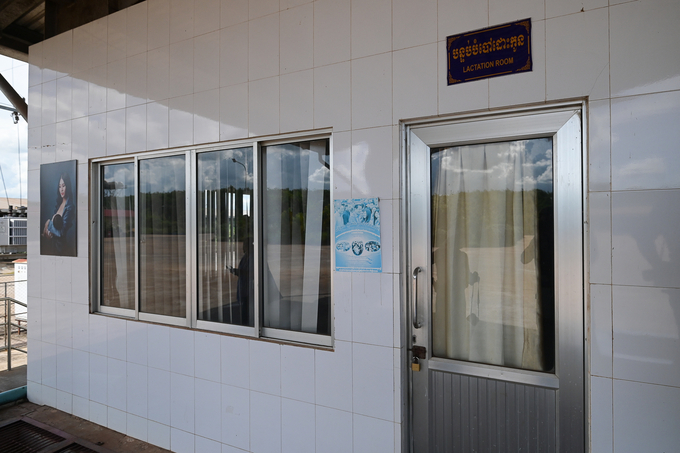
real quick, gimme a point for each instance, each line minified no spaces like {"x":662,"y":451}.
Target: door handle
{"x":414,"y":309}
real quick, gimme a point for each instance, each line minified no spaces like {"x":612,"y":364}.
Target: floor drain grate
{"x":25,"y":435}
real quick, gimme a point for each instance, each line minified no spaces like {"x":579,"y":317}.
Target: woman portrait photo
{"x":58,"y":209}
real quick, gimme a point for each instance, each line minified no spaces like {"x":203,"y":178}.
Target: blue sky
{"x":16,"y":73}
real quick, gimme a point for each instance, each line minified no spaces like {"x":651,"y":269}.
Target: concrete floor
{"x":12,"y":379}
{"x":77,"y":427}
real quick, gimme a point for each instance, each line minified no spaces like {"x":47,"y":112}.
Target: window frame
{"x":190,"y":319}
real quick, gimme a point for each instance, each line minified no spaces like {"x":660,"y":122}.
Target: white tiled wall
{"x":169,"y":73}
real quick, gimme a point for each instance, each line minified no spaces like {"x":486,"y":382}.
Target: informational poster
{"x":58,"y":208}
{"x":357,"y":235}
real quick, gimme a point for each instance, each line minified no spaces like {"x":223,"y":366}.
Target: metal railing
{"x":11,"y":318}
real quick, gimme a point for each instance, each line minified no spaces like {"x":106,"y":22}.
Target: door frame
{"x":405,"y":242}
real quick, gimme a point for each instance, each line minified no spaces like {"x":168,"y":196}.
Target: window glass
{"x":225,"y":236}
{"x":162,"y":236}
{"x":118,"y":231}
{"x":296,"y":242}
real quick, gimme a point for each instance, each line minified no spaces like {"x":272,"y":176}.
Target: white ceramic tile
{"x":297,"y":101}
{"x":64,"y":99}
{"x":332,"y":99}
{"x":333,"y":377}
{"x":49,"y":396}
{"x":79,"y":138}
{"x":234,"y":112}
{"x":158,"y":23}
{"x":117,"y":36}
{"x":265,"y":422}
{"x":182,"y":402}
{"x":115,"y":126}
{"x":158,"y":73}
{"x":577,"y":41}
{"x":233,"y":12}
{"x":372,"y":91}
{"x":115,"y":84}
{"x":599,"y":146}
{"x":35,"y":58}
{"x":80,"y":266}
{"x":501,"y":12}
{"x":371,"y":27}
{"x":63,"y":322}
{"x":81,"y":407}
{"x":79,"y":98}
{"x":460,"y":97}
{"x":98,"y":413}
{"x":137,"y":342}
{"x":372,"y":388}
{"x":34,"y":392}
{"x":645,"y":414}
{"x":527,"y":86}
{"x":35,"y":105}
{"x":181,"y":20}
{"x":297,"y":427}
{"x":64,"y":369}
{"x":333,"y":430}
{"x":96,"y":137}
{"x":265,"y":367}
{"x":207,"y":61}
{"x":601,"y":436}
{"x":48,"y":357}
{"x":645,"y":241}
{"x":182,"y":351}
{"x":48,"y":321}
{"x":297,"y":373}
{"x":116,"y":420}
{"x":206,"y":358}
{"x":98,"y":378}
{"x":263,"y":107}
{"x":630,"y":35}
{"x":137,"y":389}
{"x":207,"y":409}
{"x":80,"y":329}
{"x":342,"y":165}
{"x":159,"y":346}
{"x":80,"y":376}
{"x":181,"y":121}
{"x":372,"y":149}
{"x":415,"y":82}
{"x":49,"y":103}
{"x":601,"y":330}
{"x":96,"y":90}
{"x":372,"y":305}
{"x":137,"y":427}
{"x":136,"y":33}
{"x":116,"y":375}
{"x":207,"y":116}
{"x":157,"y":134}
{"x":136,"y":80}
{"x":235,"y":416}
{"x":412,"y":23}
{"x":82,"y":51}
{"x":331,"y":31}
{"x":158,"y":387}
{"x":181,"y":79}
{"x":158,"y":434}
{"x":64,"y":402}
{"x":49,"y":63}
{"x":555,"y":8}
{"x":181,"y":441}
{"x":234,"y":360}
{"x":646,"y":334}
{"x":115,"y":333}
{"x":206,"y":16}
{"x":644,"y":137}
{"x":98,"y":34}
{"x":460,"y":16}
{"x":233,"y":55}
{"x":296,"y":39}
{"x":599,"y":223}
{"x":49,"y":143}
{"x":372,"y":435}
{"x":135,"y":129}
{"x":263,"y":57}
{"x":206,"y":445}
{"x":259,"y":8}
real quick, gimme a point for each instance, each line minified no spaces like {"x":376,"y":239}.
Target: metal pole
{"x":13,"y":97}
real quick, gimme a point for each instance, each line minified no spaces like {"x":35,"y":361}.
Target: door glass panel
{"x":225,"y":236}
{"x":162,"y":236}
{"x":492,"y":253}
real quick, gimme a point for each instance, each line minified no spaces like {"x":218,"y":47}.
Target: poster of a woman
{"x":58,"y":209}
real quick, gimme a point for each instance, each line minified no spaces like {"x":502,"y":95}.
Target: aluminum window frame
{"x":190,"y":319}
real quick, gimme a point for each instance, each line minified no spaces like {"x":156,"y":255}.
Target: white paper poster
{"x":357,"y":235}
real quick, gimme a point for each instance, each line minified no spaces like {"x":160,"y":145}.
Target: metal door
{"x":497,"y":361}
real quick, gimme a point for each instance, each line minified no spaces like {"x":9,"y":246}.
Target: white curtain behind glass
{"x":485,"y":266}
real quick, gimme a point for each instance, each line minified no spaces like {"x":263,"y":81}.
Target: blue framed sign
{"x":489,"y":52}
{"x":357,"y":235}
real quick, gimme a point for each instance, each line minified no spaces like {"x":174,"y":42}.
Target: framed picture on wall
{"x":58,"y":209}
